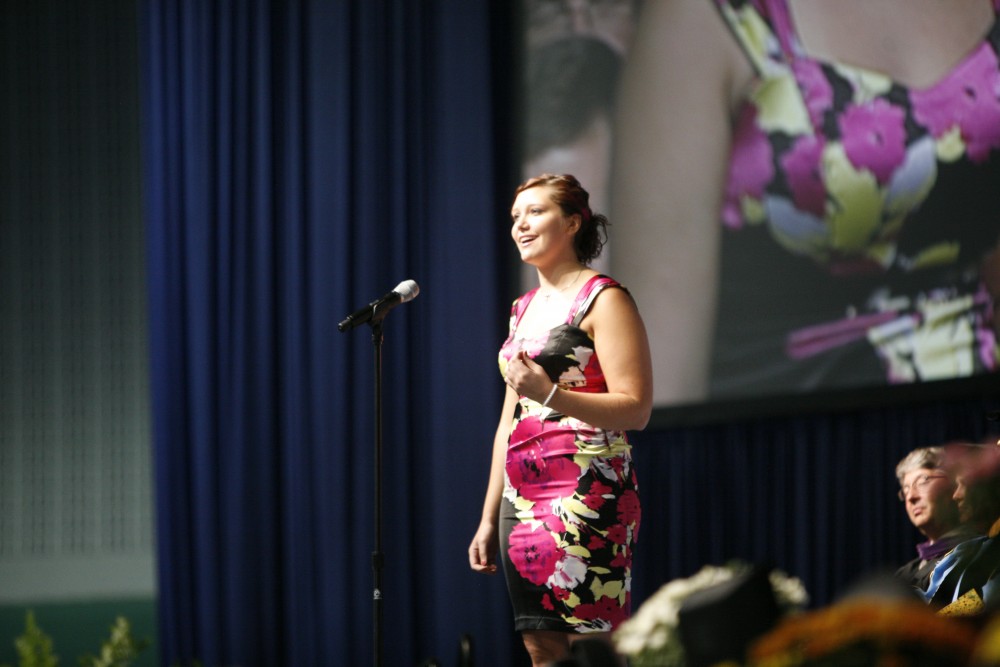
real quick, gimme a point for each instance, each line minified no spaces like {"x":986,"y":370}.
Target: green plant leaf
{"x":34,"y":647}
{"x":120,"y":650}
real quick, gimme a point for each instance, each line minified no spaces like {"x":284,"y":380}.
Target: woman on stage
{"x":562,"y":503}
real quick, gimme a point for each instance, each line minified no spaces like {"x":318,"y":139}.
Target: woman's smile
{"x":539,"y":227}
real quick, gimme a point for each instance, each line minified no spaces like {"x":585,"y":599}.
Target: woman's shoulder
{"x":598,"y":283}
{"x":603,"y":279}
{"x":611,"y":301}
{"x":603,"y":282}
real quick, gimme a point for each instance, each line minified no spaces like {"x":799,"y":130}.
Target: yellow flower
{"x":949,"y":146}
{"x":856,"y":207}
{"x":937,"y":255}
{"x":867,"y":84}
{"x":780,"y":106}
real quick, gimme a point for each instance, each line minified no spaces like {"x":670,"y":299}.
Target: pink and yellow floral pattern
{"x":571,"y":510}
{"x":849,"y":141}
{"x":871,"y":198}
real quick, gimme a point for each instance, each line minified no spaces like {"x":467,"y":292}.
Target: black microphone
{"x":376,"y":310}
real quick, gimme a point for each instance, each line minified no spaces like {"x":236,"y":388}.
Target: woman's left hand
{"x":527,"y":378}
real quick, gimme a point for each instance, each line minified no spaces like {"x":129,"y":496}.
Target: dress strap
{"x":780,"y":19}
{"x":764,"y":31}
{"x":585,"y":297}
{"x":519,"y":306}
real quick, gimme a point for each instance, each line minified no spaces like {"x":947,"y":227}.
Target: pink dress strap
{"x":585,"y":297}
{"x":519,"y":306}
{"x":780,"y":18}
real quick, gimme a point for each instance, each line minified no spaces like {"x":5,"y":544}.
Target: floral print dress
{"x":570,"y":510}
{"x":856,"y":213}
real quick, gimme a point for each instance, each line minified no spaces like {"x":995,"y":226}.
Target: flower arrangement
{"x":652,"y":636}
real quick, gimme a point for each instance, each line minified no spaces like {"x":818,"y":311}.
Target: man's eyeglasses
{"x":919,"y":483}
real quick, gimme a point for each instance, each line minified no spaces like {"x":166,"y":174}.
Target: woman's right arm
{"x":672,"y":141}
{"x":483,"y":549}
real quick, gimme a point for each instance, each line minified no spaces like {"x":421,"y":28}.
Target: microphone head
{"x":407,"y":290}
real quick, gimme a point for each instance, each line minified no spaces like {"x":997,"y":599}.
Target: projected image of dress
{"x":858,"y":218}
{"x":857,"y":212}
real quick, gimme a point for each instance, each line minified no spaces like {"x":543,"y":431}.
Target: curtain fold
{"x":302,"y":158}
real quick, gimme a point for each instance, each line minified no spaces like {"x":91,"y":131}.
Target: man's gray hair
{"x":931,"y":458}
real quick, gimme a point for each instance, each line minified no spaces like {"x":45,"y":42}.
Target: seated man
{"x":967,"y":579}
{"x":926,"y":489}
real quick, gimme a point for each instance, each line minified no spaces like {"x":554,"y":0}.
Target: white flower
{"x":788,"y":591}
{"x":651,"y":635}
{"x":569,"y":573}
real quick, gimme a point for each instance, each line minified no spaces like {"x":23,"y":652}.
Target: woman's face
{"x":542,"y":233}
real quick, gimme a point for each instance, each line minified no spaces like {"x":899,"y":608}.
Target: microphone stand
{"x":373,"y":317}
{"x":378,"y":559}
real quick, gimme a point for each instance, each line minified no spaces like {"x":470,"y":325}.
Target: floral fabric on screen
{"x":857,"y":212}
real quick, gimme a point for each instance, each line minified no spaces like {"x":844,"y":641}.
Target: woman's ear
{"x":574,"y":223}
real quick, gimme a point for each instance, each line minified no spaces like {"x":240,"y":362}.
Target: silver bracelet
{"x":548,"y":398}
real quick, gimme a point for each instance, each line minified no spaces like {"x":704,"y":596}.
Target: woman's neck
{"x":560,"y":278}
{"x":914,"y":42}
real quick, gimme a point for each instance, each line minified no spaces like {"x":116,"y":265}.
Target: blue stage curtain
{"x":301,"y":159}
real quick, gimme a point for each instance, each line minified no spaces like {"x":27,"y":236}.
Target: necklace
{"x":551,"y":293}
